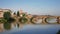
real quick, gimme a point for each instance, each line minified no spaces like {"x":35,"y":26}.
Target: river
{"x":34,"y":29}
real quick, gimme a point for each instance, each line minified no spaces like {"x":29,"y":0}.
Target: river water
{"x":34,"y":29}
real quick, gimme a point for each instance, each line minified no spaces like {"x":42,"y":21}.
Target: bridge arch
{"x":51,"y":20}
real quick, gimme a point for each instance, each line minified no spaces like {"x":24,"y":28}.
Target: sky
{"x":36,"y":7}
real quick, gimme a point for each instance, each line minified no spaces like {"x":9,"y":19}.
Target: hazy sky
{"x":39,"y":7}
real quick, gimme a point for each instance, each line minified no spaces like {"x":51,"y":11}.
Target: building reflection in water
{"x":9,"y":26}
{"x":1,"y":27}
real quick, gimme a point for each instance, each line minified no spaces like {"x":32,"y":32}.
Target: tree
{"x":14,"y":13}
{"x":2,"y":20}
{"x":11,"y":20}
{"x":18,"y":13}
{"x":7,"y":15}
{"x":23,"y":15}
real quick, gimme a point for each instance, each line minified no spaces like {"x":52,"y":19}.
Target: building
{"x":21,"y":12}
{"x":2,"y":11}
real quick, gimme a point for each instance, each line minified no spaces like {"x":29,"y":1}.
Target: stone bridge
{"x":45,"y":18}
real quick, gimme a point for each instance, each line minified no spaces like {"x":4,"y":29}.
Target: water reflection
{"x":29,"y":29}
{"x":7,"y":26}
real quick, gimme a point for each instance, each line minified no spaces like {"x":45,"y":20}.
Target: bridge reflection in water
{"x":9,"y":26}
{"x":28,"y":29}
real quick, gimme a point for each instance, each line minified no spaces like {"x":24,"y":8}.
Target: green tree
{"x":7,"y":15}
{"x":14,"y":13}
{"x":2,"y":20}
{"x":23,"y":15}
{"x":11,"y":20}
{"x":18,"y":13}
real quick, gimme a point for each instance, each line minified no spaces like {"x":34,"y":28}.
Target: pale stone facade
{"x":2,"y":11}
